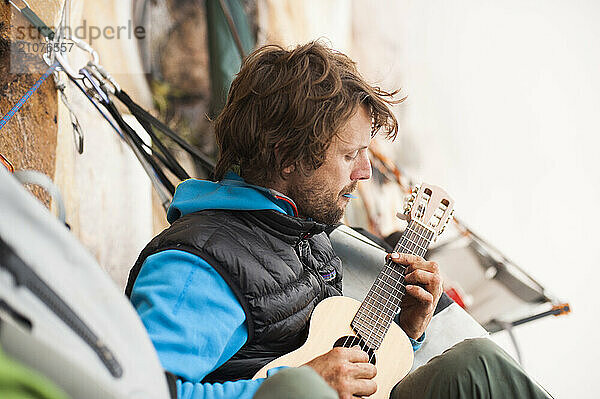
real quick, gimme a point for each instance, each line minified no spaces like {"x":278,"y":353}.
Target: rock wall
{"x":28,"y":141}
{"x":107,"y":195}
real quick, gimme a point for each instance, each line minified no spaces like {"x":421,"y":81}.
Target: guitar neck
{"x":382,"y":302}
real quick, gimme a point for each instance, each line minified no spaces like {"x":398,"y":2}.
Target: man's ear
{"x":288,"y":170}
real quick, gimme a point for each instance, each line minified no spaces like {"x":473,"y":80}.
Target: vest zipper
{"x":303,"y":255}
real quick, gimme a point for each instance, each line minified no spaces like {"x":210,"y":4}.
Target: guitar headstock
{"x":431,"y":206}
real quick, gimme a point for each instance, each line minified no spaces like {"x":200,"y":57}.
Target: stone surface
{"x":28,"y":141}
{"x":184,"y":52}
{"x":106,"y":193}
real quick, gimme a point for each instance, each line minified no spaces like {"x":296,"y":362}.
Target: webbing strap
{"x":168,"y":160}
{"x":102,"y":113}
{"x":155,"y":178}
{"x":143,"y":115}
{"x":139,"y":143}
{"x":29,"y":93}
{"x":38,"y":23}
{"x":34,"y":19}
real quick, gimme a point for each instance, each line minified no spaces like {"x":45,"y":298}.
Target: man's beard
{"x":317,"y":201}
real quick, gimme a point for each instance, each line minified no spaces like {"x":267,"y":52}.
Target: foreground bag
{"x":61,"y":314}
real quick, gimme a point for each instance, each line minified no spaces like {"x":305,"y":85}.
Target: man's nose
{"x":362,"y":170}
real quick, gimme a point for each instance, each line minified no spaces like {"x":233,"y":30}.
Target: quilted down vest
{"x":279,"y":267}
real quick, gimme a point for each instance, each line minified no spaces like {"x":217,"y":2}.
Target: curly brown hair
{"x":284,"y":108}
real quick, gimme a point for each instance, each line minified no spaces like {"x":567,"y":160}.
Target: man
{"x":232,"y":283}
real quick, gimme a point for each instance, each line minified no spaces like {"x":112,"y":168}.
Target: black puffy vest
{"x":279,"y":267}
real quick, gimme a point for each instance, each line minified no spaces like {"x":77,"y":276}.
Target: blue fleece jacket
{"x":192,"y":316}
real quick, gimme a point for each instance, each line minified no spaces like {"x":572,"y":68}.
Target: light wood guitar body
{"x":330,"y":321}
{"x":428,"y":212}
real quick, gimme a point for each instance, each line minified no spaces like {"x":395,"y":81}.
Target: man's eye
{"x":352,"y":156}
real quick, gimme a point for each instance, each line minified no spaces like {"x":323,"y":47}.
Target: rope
{"x":6,"y":118}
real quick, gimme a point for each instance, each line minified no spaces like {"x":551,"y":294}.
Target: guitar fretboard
{"x":382,"y":302}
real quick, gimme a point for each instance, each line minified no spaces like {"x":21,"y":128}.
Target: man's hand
{"x":347,"y":370}
{"x":423,"y":291}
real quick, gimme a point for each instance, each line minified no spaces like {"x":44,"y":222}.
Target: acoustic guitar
{"x":342,"y":321}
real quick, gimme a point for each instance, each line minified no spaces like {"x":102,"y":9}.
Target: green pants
{"x":475,"y":368}
{"x":295,"y":383}
{"x":19,"y":382}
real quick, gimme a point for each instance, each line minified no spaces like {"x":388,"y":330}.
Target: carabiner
{"x":77,"y":130}
{"x":99,"y":69}
{"x":77,"y":133}
{"x":64,"y":63}
{"x":102,"y":81}
{"x":95,"y":85}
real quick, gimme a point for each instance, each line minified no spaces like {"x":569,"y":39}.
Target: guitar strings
{"x":389,"y":264}
{"x":424,"y":234}
{"x":420,"y":244}
{"x":374,"y":317}
{"x":419,"y":249}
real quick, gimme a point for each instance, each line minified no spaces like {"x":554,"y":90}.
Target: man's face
{"x":320,"y":195}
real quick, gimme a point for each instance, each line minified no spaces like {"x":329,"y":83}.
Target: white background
{"x":503,"y":111}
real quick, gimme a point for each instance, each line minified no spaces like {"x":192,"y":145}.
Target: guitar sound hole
{"x":349,"y":341}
